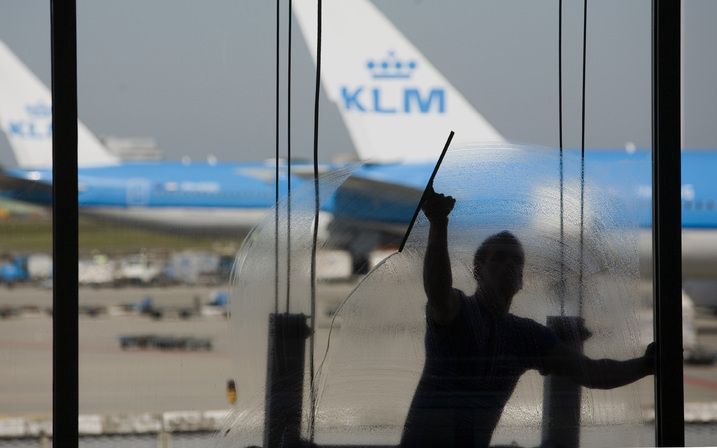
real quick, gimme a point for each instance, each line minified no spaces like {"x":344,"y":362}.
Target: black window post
{"x":667,"y":223}
{"x":65,"y":409}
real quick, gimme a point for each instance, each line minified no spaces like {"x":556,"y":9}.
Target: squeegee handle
{"x":429,"y":188}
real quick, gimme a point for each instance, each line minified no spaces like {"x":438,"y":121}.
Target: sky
{"x":198,"y":76}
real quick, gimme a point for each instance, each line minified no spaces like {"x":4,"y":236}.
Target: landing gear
{"x":360,"y":263}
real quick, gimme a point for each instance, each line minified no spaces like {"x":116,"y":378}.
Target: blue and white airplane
{"x":397,"y":107}
{"x":233,"y":197}
{"x":225,"y":197}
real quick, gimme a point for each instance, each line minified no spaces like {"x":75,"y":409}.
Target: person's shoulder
{"x":467,"y":303}
{"x":459,"y":298}
{"x":524,"y":321}
{"x":532,"y":342}
{"x":525,"y":325}
{"x":460,"y":294}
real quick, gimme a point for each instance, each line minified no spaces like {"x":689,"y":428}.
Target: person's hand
{"x":649,"y":358}
{"x":437,"y":206}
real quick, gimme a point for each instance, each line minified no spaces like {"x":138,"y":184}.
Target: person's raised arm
{"x":599,"y":373}
{"x":443,"y":303}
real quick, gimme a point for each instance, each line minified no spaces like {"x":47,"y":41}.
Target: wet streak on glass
{"x":561,"y":286}
{"x":317,"y":91}
{"x":561,"y":396}
{"x":288,"y":164}
{"x":276,"y":166}
{"x":64,"y":224}
{"x":582,"y":164}
{"x":667,"y":222}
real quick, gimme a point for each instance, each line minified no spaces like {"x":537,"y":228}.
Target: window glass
{"x":171,"y":181}
{"x":698,"y":221}
{"x":381,"y":370}
{"x":177,"y":111}
{"x":25,"y":222}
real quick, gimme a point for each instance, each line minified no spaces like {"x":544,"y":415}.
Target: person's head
{"x":498,"y":268}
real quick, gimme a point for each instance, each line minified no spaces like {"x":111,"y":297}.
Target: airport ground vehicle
{"x":161,"y":342}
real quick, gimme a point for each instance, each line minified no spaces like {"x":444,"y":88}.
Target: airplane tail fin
{"x":394,"y":102}
{"x":26,"y":119}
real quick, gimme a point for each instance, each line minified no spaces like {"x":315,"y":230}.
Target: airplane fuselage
{"x":222,"y":196}
{"x":214,"y":198}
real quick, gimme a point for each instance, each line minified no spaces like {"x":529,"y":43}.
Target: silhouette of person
{"x":476,"y":350}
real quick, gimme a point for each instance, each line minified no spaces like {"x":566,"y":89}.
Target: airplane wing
{"x":27,"y":190}
{"x":380,"y":198}
{"x":395,"y":189}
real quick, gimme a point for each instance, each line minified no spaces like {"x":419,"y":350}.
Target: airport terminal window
{"x":155,"y":295}
{"x":158,"y":237}
{"x":383,"y":374}
{"x":699,"y":140}
{"x":26,"y":315}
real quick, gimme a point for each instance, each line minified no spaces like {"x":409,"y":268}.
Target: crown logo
{"x":391,"y":67}
{"x":38,"y":110}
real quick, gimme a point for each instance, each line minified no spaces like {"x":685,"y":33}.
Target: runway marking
{"x":700,"y":382}
{"x":18,"y":347}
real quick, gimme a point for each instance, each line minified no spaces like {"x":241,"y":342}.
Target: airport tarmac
{"x":115,"y":381}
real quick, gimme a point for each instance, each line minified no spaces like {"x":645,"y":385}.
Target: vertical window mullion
{"x":65,"y":408}
{"x":667,"y":223}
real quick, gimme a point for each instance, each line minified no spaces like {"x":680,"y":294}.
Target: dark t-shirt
{"x":472,"y":366}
